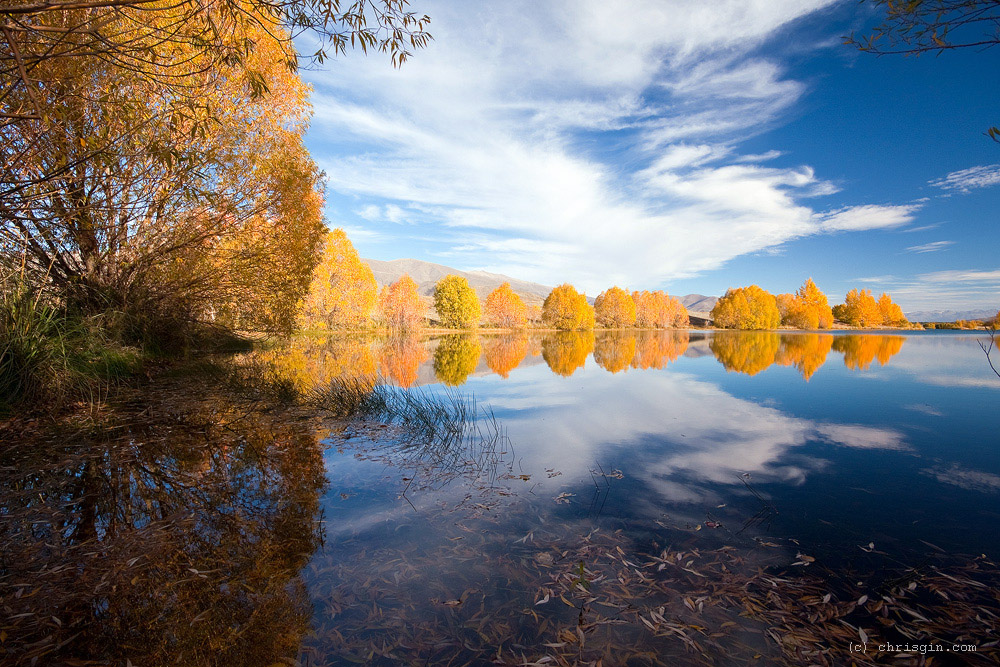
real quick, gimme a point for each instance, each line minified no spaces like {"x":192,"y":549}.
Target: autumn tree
{"x":504,"y":308}
{"x":860,"y":309}
{"x":456,"y":303}
{"x":658,"y":310}
{"x":860,"y":350}
{"x":891,"y":314}
{"x":565,"y":308}
{"x":808,"y":308}
{"x":746,"y":308}
{"x":399,"y":305}
{"x":342,"y":291}
{"x":614,"y":308}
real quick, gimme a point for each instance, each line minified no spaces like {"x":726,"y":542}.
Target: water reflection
{"x":171,"y":531}
{"x":454,"y":358}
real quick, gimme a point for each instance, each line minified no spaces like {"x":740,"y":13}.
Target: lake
{"x":614,"y":498}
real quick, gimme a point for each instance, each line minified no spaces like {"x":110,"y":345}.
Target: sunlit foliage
{"x":399,"y":305}
{"x":860,"y":309}
{"x":658,"y":310}
{"x":400,"y":358}
{"x":614,"y":351}
{"x":808,"y":308}
{"x":566,"y":351}
{"x":342,"y":291}
{"x":504,"y":308}
{"x":614,"y":308}
{"x":310,"y":363}
{"x":456,"y":303}
{"x":891,"y":313}
{"x":565,"y":308}
{"x":656,"y":350}
{"x":456,"y":358}
{"x":748,"y":353}
{"x":505,"y":353}
{"x":860,"y":350}
{"x":746,"y":308}
{"x":806,"y":352}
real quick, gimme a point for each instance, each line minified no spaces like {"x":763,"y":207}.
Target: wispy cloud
{"x":934,"y":246}
{"x":491,"y":134}
{"x":970,"y":179}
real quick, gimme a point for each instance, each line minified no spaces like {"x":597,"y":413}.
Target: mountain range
{"x":427,"y":274}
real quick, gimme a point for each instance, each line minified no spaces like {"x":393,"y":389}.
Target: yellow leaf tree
{"x":565,"y":308}
{"x":566,"y":351}
{"x":892,"y":314}
{"x":505,"y":353}
{"x":658,"y":310}
{"x":614,"y":308}
{"x":808,"y":308}
{"x":456,"y":303}
{"x":504,"y":308}
{"x":860,"y":309}
{"x":456,"y":357}
{"x":747,"y":308}
{"x":399,"y":305}
{"x":614,"y":351}
{"x":343,"y":289}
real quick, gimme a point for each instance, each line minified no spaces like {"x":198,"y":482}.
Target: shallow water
{"x":835,"y":445}
{"x":621,"y":498}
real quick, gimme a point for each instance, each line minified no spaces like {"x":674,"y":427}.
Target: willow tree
{"x":614,"y":308}
{"x":746,"y":308}
{"x":342,"y":291}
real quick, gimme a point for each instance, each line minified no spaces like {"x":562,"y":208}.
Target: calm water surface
{"x":829,"y":445}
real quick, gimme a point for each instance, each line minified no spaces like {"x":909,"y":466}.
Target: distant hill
{"x":949,"y":315}
{"x":427,"y":274}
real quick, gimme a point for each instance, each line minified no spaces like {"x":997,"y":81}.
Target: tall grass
{"x":48,"y":356}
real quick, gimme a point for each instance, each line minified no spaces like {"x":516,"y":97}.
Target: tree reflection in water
{"x":614,"y":350}
{"x":400,"y":359}
{"x":566,"y":351}
{"x":506,"y":352}
{"x":861,"y":349}
{"x":171,"y":531}
{"x":748,"y":352}
{"x":806,"y":352}
{"x":456,"y":357}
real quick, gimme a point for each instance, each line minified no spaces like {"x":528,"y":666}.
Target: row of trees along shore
{"x":755,"y":308}
{"x":343,"y":294}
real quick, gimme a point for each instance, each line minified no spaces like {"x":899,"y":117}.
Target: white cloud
{"x":489,"y":133}
{"x":930,"y":247}
{"x":857,"y":218}
{"x":967,"y":180}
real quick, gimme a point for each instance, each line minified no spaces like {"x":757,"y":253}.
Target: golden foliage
{"x":456,"y":358}
{"x":565,"y":308}
{"x":456,"y":303}
{"x":311,"y":363}
{"x":656,"y":349}
{"x":614,"y":351}
{"x":505,"y":353}
{"x":808,"y":308}
{"x":806,"y":352}
{"x":504,"y":308}
{"x":614,"y":308}
{"x":748,"y":353}
{"x":399,"y":305}
{"x":746,"y":308}
{"x":658,"y":310}
{"x":400,"y":359}
{"x":566,"y":351}
{"x":860,"y":309}
{"x":860,"y":350}
{"x":342,"y":291}
{"x":892,"y":314}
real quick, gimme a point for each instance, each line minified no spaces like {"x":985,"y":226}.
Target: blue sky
{"x":670,"y":144}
